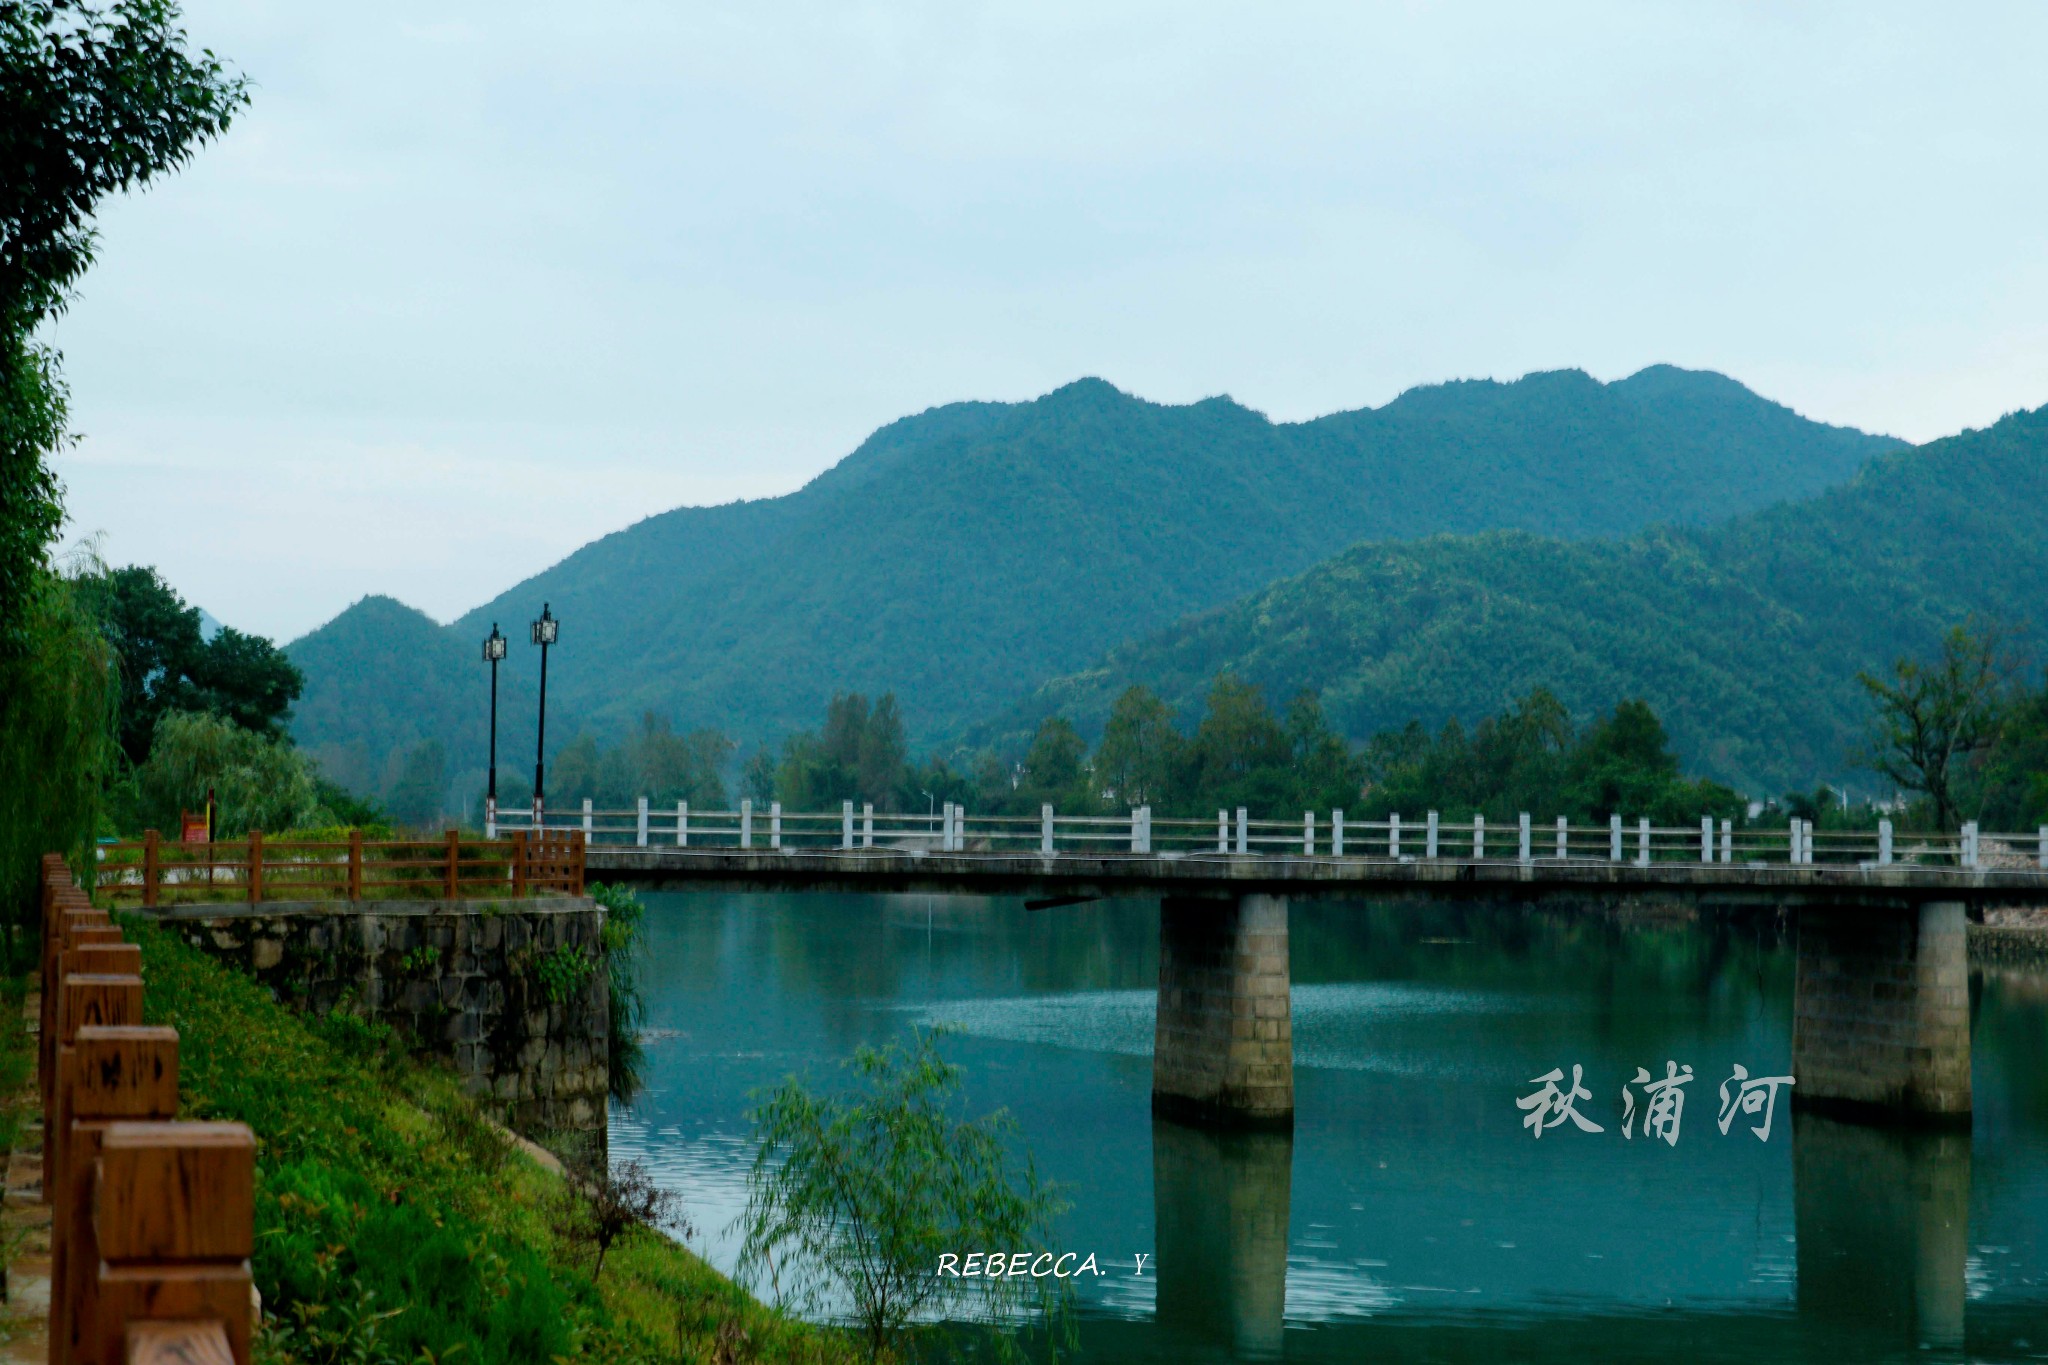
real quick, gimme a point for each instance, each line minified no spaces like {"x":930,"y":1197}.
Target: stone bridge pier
{"x":1881,"y":1012}
{"x":1223,"y":1050}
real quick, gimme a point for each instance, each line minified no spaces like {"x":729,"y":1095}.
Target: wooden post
{"x":1308,"y":834}
{"x":149,"y":867}
{"x":1336,"y":834}
{"x":1243,"y":831}
{"x":116,"y":1074}
{"x":1706,"y":838}
{"x":682,"y":824}
{"x":640,"y":830}
{"x":746,"y":822}
{"x":775,"y":824}
{"x":1642,"y":842}
{"x":1564,"y":840}
{"x":355,"y":864}
{"x":1429,"y":846}
{"x":586,"y":817}
{"x":1614,"y":838}
{"x":452,"y":885}
{"x":179,"y":1343}
{"x":1478,"y":836}
{"x":1394,"y":836}
{"x":518,"y":862}
{"x":84,"y":1002}
{"x":255,"y":865}
{"x":867,"y":824}
{"x":1728,"y":841}
{"x":846,"y":824}
{"x":174,"y":1212}
{"x":1045,"y":827}
{"x":1528,"y":851}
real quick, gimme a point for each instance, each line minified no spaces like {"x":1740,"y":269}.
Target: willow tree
{"x":94,"y":98}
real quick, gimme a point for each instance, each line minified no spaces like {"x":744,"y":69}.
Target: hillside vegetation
{"x":1745,"y":637}
{"x":962,"y":556}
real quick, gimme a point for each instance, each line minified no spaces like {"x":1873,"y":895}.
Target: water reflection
{"x":1411,"y":1217}
{"x":1220,"y":1205}
{"x":1884,"y":1232}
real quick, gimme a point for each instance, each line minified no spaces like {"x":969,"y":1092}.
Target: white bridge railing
{"x":1317,"y":834}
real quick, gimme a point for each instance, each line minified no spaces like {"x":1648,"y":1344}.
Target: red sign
{"x":195,"y":827}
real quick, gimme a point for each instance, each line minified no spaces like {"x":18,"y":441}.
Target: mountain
{"x":1746,"y":637}
{"x":965,"y":554}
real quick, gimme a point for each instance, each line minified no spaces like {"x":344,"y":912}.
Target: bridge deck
{"x":1076,"y":876}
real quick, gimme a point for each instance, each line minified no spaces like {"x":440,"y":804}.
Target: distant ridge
{"x":1746,"y":637}
{"x":964,"y":554}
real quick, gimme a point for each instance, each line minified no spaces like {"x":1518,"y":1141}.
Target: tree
{"x":613,"y":1203}
{"x":1140,"y":749}
{"x":258,"y":782}
{"x":93,"y":99}
{"x":853,"y":1199}
{"x":1926,"y":718}
{"x":167,"y":665}
{"x":419,"y":796}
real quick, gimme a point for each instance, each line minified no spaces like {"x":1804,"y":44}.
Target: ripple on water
{"x":1358,"y":1026}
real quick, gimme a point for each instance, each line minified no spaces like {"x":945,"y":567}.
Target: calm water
{"x":1410,"y":1215}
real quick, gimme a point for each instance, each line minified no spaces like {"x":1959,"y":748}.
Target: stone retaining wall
{"x":512,"y":993}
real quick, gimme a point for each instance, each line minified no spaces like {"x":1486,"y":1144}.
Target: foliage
{"x":420,"y":793}
{"x":853,"y":1198}
{"x":57,"y":698}
{"x":258,"y":782}
{"x":1745,"y":638}
{"x":1927,"y":719}
{"x":93,"y":99}
{"x":381,"y":1190}
{"x":964,"y":554}
{"x":653,"y":761}
{"x":858,"y":756}
{"x":627,"y":1059}
{"x":166,"y":664}
{"x":613,"y":1203}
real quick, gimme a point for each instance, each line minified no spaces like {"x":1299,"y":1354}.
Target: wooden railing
{"x":152,"y":1221}
{"x":153,"y":871}
{"x":1316,"y":834}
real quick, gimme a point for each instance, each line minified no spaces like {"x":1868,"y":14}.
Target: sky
{"x":470,"y":284}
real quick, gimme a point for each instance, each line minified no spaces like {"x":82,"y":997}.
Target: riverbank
{"x":394,"y":1218}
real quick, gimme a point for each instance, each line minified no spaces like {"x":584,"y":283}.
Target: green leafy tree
{"x":258,"y":782}
{"x":1140,"y":749}
{"x":853,"y":1198}
{"x":167,"y":665}
{"x":1928,"y":718}
{"x":93,"y":99}
{"x":418,"y":797}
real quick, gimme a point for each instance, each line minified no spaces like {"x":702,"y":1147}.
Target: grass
{"x":394,"y":1222}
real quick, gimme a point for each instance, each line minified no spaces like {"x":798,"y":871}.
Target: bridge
{"x":1881,"y":1004}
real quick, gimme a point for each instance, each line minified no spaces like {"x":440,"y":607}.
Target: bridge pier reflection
{"x":1220,"y":1200}
{"x":1883,"y":1221}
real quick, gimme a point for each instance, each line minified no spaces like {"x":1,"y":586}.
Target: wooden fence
{"x":152,"y":1221}
{"x":1315,"y":834}
{"x":153,"y":871}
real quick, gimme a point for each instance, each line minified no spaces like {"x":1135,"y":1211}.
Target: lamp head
{"x":494,"y":645}
{"x":544,"y":629}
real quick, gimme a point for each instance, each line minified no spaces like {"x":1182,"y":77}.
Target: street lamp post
{"x":494,"y":650}
{"x":543,"y":635}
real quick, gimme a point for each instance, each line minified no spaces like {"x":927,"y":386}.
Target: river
{"x":1411,"y":1214}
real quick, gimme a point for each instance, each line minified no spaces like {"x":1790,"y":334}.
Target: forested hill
{"x":963,"y":555}
{"x":1744,"y":637}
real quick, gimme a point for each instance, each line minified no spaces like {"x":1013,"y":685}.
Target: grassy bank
{"x":395,"y":1224}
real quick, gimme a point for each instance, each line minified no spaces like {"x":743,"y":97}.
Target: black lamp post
{"x":494,"y":650}
{"x":543,"y":635}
